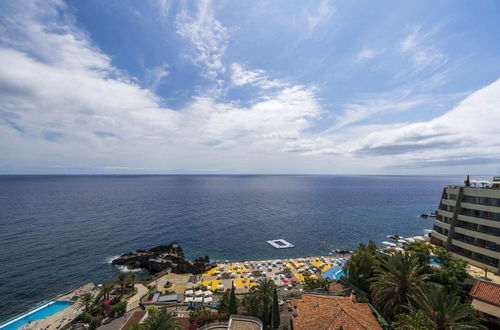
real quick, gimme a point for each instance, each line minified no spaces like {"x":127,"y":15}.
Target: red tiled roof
{"x":322,"y":312}
{"x":486,"y":292}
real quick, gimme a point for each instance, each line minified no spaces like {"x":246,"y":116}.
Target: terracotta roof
{"x":486,"y":292}
{"x":323,"y":312}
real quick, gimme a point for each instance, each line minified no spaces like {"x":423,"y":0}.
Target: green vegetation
{"x":160,"y":319}
{"x":86,"y":301}
{"x":258,"y":302}
{"x":121,"y":279}
{"x":397,"y":277}
{"x":315,"y":283}
{"x":233,"y":308}
{"x":409,"y":292}
{"x":360,"y":267}
{"x":275,"y":312}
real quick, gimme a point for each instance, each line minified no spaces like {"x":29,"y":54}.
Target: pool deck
{"x":61,"y":318}
{"x":244,"y":274}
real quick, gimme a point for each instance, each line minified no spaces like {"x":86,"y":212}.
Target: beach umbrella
{"x":409,"y":239}
{"x":388,"y":243}
{"x":401,"y":241}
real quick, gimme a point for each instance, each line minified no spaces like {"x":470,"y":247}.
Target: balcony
{"x":442,"y":224}
{"x":477,"y":261}
{"x":479,"y":221}
{"x":439,"y":236}
{"x":478,"y":234}
{"x":445,"y":213}
{"x":449,"y":202}
{"x":479,"y":207}
{"x":474,"y":248}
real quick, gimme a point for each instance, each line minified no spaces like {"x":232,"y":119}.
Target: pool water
{"x":434,"y":262}
{"x":339,"y":274}
{"x":37,"y":314}
{"x":333,"y":273}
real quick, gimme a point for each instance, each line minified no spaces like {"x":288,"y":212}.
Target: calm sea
{"x":58,"y":232}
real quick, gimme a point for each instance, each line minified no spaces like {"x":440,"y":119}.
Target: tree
{"x":121,"y":279}
{"x":197,"y":313}
{"x":263,"y":292}
{"x":160,"y":319}
{"x":371,"y":247}
{"x":445,"y":311}
{"x":132,"y":279}
{"x":275,"y":311}
{"x":415,"y":320}
{"x":233,"y":308}
{"x":106,"y":290}
{"x":314,"y":283}
{"x":359,"y":268}
{"x":398,"y":277}
{"x":420,"y":250}
{"x":224,"y":302}
{"x":452,"y":275}
{"x":86,"y":300}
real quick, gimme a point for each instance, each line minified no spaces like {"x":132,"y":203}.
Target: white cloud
{"x":154,"y":76}
{"x":319,"y":15}
{"x":64,"y":104}
{"x":208,"y":36}
{"x":421,"y":48}
{"x":241,"y":76}
{"x":86,"y":112}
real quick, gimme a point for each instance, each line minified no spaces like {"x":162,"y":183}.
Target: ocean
{"x":59,"y":232}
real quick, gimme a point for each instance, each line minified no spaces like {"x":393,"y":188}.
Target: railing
{"x":40,"y":304}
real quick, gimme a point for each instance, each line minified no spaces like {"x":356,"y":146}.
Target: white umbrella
{"x":419,"y":238}
{"x":398,"y":249}
{"x":409,"y":239}
{"x":389,"y":244}
{"x":401,"y":241}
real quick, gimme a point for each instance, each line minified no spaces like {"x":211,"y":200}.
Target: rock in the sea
{"x":163,"y":257}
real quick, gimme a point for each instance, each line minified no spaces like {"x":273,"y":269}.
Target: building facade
{"x":468,"y":222}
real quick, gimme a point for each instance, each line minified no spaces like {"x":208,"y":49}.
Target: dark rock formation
{"x":163,"y":257}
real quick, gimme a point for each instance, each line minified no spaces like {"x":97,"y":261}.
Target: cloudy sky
{"x":368,"y":87}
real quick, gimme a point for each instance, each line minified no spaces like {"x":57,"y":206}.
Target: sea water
{"x":59,"y":232}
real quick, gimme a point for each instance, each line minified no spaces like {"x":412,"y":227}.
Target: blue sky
{"x":368,"y":87}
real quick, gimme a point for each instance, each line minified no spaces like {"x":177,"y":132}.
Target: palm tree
{"x":444,"y":310}
{"x":160,"y":319}
{"x":264,"y":293}
{"x":121,"y":279}
{"x":396,"y":279}
{"x":132,"y":279}
{"x":415,"y":320}
{"x":86,"y":300}
{"x":106,"y":290}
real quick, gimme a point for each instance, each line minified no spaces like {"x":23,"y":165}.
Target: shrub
{"x":118,"y":308}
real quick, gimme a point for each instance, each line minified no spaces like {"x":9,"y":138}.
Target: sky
{"x":250,"y":87}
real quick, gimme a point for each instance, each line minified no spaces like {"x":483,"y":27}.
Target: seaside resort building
{"x":468,"y":222}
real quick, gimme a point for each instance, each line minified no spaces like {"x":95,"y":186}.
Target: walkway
{"x":134,"y":301}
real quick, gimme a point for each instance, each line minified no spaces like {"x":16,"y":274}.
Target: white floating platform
{"x":280,"y":244}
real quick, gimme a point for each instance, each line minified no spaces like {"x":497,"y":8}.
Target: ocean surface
{"x":59,"y":232}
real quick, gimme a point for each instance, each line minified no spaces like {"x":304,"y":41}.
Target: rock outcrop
{"x":163,"y":257}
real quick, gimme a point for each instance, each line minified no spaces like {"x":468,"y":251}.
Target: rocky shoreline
{"x":163,"y":257}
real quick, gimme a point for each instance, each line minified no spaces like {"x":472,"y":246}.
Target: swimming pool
{"x":36,"y":314}
{"x":334,"y":273}
{"x":434,"y":262}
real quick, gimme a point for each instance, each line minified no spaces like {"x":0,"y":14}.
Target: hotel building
{"x":468,"y":222}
